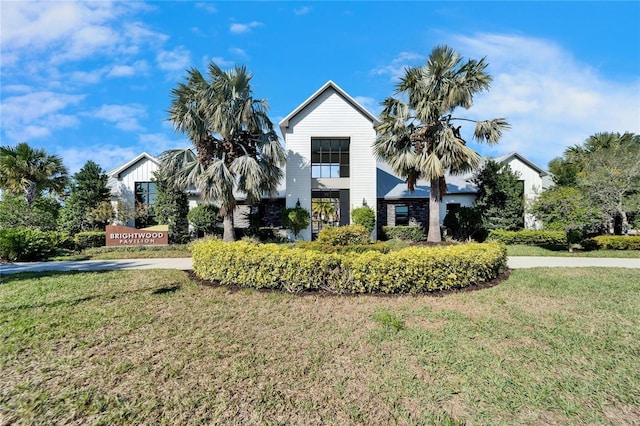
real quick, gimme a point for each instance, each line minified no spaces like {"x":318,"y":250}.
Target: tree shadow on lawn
{"x":73,"y":302}
{"x":325,"y":293}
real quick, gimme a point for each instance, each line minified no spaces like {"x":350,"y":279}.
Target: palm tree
{"x":416,"y":135}
{"x":236,"y":148}
{"x":28,"y":171}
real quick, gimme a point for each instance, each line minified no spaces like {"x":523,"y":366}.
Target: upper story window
{"x":329,"y":158}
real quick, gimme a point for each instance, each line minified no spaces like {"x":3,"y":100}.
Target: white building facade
{"x":331,"y":170}
{"x":330,"y":164}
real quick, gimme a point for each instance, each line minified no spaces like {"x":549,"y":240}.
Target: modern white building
{"x":328,"y":139}
{"x":331,"y":170}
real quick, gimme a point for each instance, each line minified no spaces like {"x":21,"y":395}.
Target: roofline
{"x":116,"y":172}
{"x":505,"y":157}
{"x":284,"y":123}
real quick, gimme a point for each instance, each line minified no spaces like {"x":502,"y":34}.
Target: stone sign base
{"x":123,"y":236}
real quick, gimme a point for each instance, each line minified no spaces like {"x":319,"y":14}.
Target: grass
{"x":561,"y":251}
{"x":125,"y":347}
{"x":144,"y":252}
{"x":177,"y":250}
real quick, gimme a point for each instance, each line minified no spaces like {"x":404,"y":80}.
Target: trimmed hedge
{"x":529,"y":237}
{"x":90,"y":239}
{"x":353,"y":248}
{"x":412,"y":233}
{"x":410,"y":270}
{"x":344,"y":235}
{"x":612,"y":242}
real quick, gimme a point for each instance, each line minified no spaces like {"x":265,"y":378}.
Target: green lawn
{"x":547,"y":346}
{"x":561,"y":251}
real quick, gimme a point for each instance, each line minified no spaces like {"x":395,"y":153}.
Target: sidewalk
{"x":518,"y":262}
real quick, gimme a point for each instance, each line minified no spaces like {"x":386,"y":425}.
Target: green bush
{"x":364,"y":216}
{"x":296,"y":219}
{"x":612,"y":242}
{"x":411,"y":270}
{"x":529,"y":237}
{"x":90,"y":239}
{"x":344,"y":235}
{"x":24,"y":244}
{"x":353,"y":248}
{"x":413,"y":233}
{"x":465,"y":223}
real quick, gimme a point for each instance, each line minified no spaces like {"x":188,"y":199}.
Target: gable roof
{"x":284,"y":123}
{"x":115,"y":173}
{"x":509,"y":156}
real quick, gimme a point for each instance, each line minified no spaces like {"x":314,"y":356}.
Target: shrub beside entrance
{"x":410,"y":270}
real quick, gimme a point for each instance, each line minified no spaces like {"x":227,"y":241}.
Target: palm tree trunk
{"x":229,"y":234}
{"x":434,"y":212}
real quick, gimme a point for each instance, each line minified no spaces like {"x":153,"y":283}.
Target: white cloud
{"x":244,"y":28}
{"x":551,"y":99}
{"x":125,"y":117}
{"x":207,"y":7}
{"x":37,"y":114}
{"x":218,"y":60}
{"x":174,"y":61}
{"x":107,"y":156}
{"x":241,"y":53}
{"x":136,"y":69}
{"x":161,"y":142}
{"x":397,"y":66}
{"x":371,"y":104}
{"x":302,"y":10}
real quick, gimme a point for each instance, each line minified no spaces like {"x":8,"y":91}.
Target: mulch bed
{"x":441,"y":293}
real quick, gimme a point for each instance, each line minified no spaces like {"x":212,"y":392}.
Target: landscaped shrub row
{"x":24,"y":244}
{"x":529,"y":237}
{"x":353,"y":248}
{"x":90,"y":239}
{"x":410,"y":270}
{"x":612,"y":242}
{"x":413,"y":233}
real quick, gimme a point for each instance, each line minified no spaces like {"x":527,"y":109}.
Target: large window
{"x":325,"y":210}
{"x":145,"y":196}
{"x":329,"y":158}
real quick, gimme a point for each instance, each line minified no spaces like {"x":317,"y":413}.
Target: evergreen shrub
{"x":344,"y":235}
{"x":411,"y":270}
{"x":612,"y":242}
{"x":353,"y":248}
{"x":529,"y":237}
{"x":90,"y":239}
{"x":364,"y":216}
{"x":412,"y":233}
{"x":24,"y":244}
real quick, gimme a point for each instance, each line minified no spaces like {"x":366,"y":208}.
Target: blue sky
{"x":92,"y":80}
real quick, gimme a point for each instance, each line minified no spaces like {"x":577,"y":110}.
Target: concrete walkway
{"x":186,"y":263}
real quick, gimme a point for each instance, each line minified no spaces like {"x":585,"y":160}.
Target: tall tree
{"x":611,"y":176}
{"x":171,"y":208}
{"x":88,"y":206}
{"x":500,"y":197}
{"x":416,"y":134}
{"x":606,"y":168}
{"x":565,"y":208}
{"x":28,"y":171}
{"x":237,"y":149}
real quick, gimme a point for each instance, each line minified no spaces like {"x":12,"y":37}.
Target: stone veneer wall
{"x":418,"y":211}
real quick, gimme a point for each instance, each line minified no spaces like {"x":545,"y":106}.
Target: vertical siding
{"x":330,"y":115}
{"x":532,"y":187}
{"x":142,"y":171}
